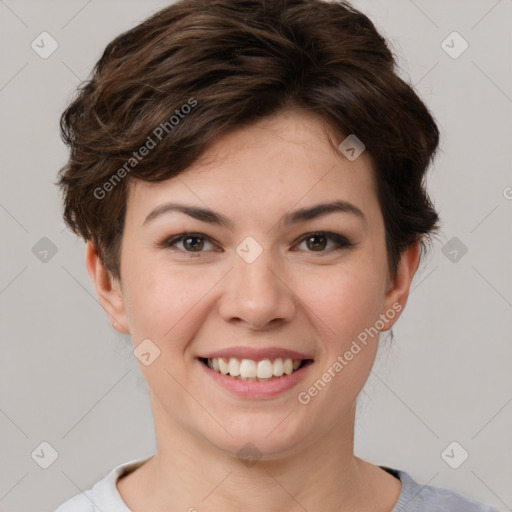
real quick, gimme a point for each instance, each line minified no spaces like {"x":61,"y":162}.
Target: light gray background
{"x":69,"y":379}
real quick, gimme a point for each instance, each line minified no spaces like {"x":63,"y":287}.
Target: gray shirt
{"x":414,"y":497}
{"x":427,"y":498}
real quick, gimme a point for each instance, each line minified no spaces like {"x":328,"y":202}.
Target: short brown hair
{"x":241,"y":61}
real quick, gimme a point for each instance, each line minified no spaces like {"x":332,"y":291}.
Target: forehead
{"x":272,"y":165}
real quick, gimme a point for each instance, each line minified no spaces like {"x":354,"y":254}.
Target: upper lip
{"x":257,"y":354}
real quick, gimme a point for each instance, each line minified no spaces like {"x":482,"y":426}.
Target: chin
{"x":260,"y":439}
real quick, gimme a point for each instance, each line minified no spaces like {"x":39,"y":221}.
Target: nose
{"x":258,"y":294}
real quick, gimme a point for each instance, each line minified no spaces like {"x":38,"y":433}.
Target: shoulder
{"x":416,"y":497}
{"x":79,"y":503}
{"x":104,"y":495}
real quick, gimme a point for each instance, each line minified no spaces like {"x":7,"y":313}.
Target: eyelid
{"x":169,"y":242}
{"x":341,"y":241}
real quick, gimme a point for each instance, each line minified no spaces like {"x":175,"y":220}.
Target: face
{"x":264,"y":284}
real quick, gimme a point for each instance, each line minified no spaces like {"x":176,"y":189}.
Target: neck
{"x":188,"y":473}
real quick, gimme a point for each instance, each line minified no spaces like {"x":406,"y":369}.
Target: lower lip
{"x":255,"y":389}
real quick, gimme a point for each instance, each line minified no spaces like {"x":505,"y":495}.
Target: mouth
{"x":252,"y":370}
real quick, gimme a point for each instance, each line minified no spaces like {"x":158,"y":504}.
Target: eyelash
{"x":341,"y":241}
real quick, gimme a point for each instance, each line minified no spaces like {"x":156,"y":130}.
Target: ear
{"x":397,"y":291}
{"x":108,"y":289}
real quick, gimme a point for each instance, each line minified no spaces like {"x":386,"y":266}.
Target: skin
{"x":294,"y":295}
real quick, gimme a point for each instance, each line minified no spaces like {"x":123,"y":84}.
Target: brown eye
{"x":191,"y":242}
{"x":317,"y":242}
{"x":194,"y":243}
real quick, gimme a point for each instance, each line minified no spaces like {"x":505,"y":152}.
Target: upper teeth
{"x":247,"y":368}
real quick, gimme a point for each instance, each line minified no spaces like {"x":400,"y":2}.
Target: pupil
{"x":322,"y":246}
{"x":192,"y":245}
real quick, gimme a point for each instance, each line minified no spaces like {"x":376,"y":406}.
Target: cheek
{"x":344,"y":300}
{"x":161,"y":302}
{"x":346,"y":306}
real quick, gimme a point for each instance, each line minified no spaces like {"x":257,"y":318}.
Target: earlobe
{"x":399,"y":286}
{"x":107,"y":289}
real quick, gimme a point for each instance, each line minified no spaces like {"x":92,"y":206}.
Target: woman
{"x":248,"y":177}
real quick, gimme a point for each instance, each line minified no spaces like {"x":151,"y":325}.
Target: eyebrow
{"x":301,"y":215}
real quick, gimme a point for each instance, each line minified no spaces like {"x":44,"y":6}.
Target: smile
{"x":241,"y":377}
{"x":263,"y":370}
